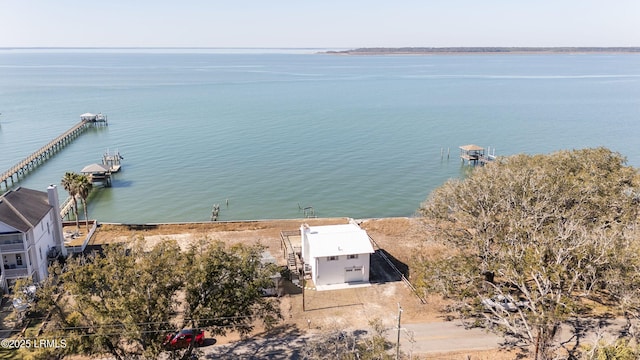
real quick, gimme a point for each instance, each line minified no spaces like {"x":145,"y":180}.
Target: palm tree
{"x":69,"y":183}
{"x":84,"y":185}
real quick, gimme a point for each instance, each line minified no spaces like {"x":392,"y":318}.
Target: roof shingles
{"x":23,"y":208}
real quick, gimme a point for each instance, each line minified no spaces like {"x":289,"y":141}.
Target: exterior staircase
{"x":292,"y":263}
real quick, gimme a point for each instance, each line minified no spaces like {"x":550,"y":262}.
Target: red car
{"x":181,"y":339}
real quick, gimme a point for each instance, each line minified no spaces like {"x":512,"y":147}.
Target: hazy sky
{"x":326,"y":23}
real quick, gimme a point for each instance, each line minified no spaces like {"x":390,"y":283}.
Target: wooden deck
{"x":76,"y":239}
{"x":41,"y":155}
{"x":291,"y":250}
{"x":480,"y":159}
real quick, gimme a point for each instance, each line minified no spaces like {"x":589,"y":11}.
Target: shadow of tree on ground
{"x":284,"y":342}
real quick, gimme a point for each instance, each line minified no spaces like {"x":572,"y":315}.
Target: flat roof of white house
{"x":336,"y":240}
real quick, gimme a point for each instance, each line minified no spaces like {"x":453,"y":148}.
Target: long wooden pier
{"x":42,"y":154}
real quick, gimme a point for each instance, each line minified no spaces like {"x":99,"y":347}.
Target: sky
{"x":318,"y":24}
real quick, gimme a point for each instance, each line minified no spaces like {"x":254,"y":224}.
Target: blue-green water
{"x":350,"y":136}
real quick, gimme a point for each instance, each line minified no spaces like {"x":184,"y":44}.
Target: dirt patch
{"x":398,"y":238}
{"x":351,"y":308}
{"x":473,"y":355}
{"x":269,"y":229}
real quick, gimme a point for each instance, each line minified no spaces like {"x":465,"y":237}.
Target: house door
{"x":353,"y":274}
{"x":19,"y":260}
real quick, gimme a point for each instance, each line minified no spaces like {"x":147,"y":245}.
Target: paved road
{"x":418,"y":338}
{"x":452,"y":336}
{"x":442,"y":337}
{"x":429,"y":338}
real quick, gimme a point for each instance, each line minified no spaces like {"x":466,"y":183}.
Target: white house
{"x":336,"y":254}
{"x":30,"y":234}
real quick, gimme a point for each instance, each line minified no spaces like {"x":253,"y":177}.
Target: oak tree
{"x":126,"y":299}
{"x":548,"y":234}
{"x":118,"y":302}
{"x":224,"y":289}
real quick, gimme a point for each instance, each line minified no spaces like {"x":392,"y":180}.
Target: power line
{"x":125,"y":325}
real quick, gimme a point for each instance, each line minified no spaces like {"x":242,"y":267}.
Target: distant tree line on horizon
{"x":484,"y":50}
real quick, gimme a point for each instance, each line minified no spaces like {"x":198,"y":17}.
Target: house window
{"x":354,"y":256}
{"x":19,"y":260}
{"x":40,"y":253}
{"x":48,"y":229}
{"x":332,"y":258}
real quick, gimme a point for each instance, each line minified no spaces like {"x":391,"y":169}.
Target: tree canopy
{"x":126,"y":299}
{"x":340,"y":344}
{"x":551,"y":233}
{"x":224,"y":288}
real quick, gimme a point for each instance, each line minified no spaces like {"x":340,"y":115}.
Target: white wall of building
{"x":35,"y":245}
{"x":44,"y":240}
{"x":38,"y":241}
{"x":328,"y":272}
{"x":337,"y":254}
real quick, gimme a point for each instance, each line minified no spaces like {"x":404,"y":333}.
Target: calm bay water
{"x":350,"y":136}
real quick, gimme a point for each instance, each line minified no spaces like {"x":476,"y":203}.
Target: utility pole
{"x":304,"y":284}
{"x":398,"y":341}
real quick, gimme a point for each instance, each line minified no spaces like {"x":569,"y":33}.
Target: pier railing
{"x":66,"y":207}
{"x":41,"y":154}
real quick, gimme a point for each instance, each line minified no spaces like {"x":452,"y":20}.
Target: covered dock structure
{"x":99,"y":118}
{"x":98,"y":173}
{"x":475,"y":155}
